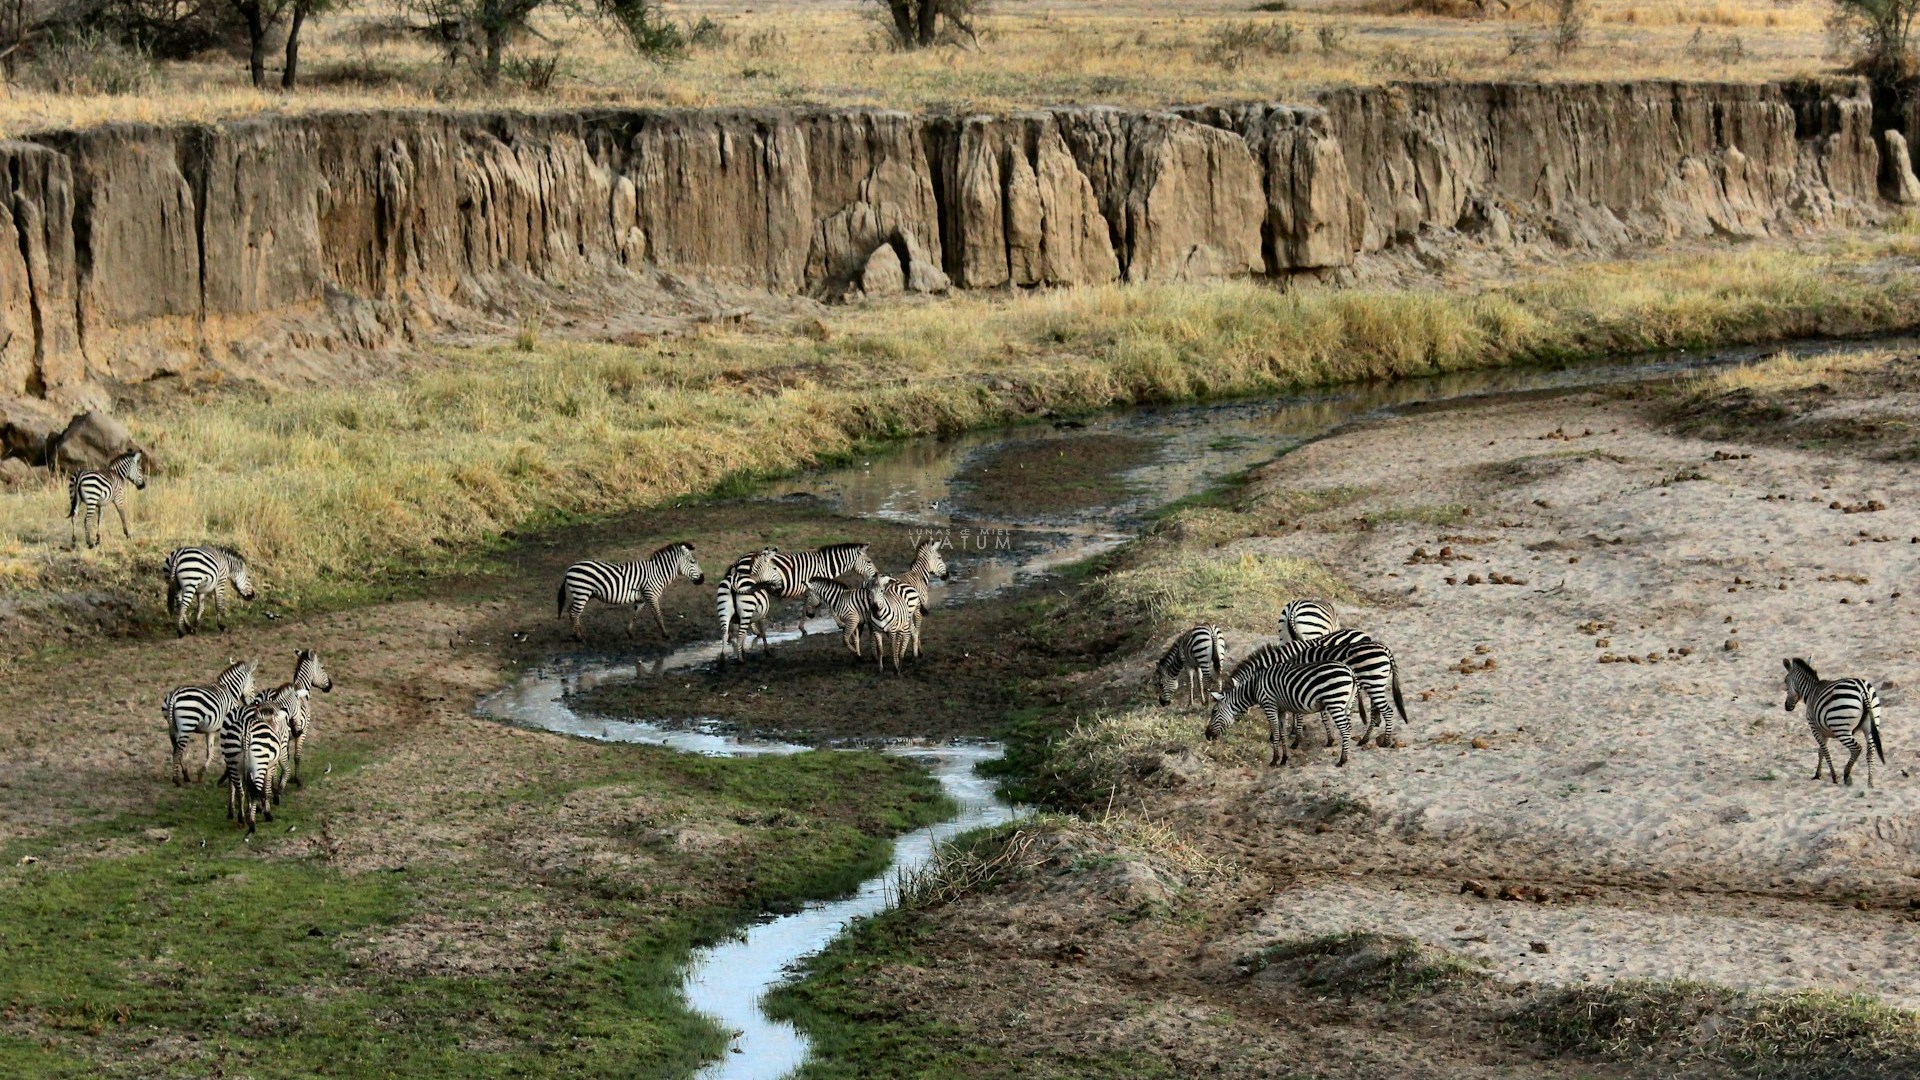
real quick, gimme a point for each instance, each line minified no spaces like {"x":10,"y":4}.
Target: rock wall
{"x":131,"y":251}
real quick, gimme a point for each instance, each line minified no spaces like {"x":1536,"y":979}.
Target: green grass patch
{"x":185,"y":959}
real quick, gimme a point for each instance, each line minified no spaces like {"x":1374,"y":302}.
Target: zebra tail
{"x":73,"y":500}
{"x":1399,"y":703}
{"x":1873,"y":723}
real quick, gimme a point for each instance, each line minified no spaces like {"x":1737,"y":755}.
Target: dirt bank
{"x":1600,"y":786}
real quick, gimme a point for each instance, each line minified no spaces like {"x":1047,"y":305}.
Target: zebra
{"x":751,"y":603}
{"x":1202,"y":650}
{"x":1306,"y":620}
{"x":1284,"y":693}
{"x":200,"y":710}
{"x":894,"y":606}
{"x":295,"y":697}
{"x":635,"y":583}
{"x":254,"y":741}
{"x":192,"y":573}
{"x":96,"y":488}
{"x":784,"y":576}
{"x":1372,"y":663}
{"x":928,"y":563}
{"x":848,"y":606}
{"x":1837,"y":710}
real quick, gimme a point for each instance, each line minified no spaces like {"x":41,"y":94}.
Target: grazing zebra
{"x":200,"y":710}
{"x":192,"y":573}
{"x":1306,"y":620}
{"x":894,"y":607}
{"x":635,"y":583}
{"x":1841,"y":710}
{"x":1372,"y":663}
{"x":295,"y":697}
{"x":848,"y":606}
{"x":1201,"y":650}
{"x":254,"y":741}
{"x":1283,"y":693}
{"x":95,"y":488}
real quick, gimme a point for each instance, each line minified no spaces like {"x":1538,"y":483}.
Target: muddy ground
{"x":1600,"y":853}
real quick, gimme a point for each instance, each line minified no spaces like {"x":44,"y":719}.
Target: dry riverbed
{"x":1599,"y":852}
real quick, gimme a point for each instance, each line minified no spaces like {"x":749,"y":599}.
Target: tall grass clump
{"x":398,"y":477}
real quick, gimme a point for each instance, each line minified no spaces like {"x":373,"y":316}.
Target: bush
{"x":1877,"y":34}
{"x":1230,"y":46}
{"x":87,"y":62}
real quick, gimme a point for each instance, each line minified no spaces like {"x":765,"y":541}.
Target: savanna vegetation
{"x":150,"y":61}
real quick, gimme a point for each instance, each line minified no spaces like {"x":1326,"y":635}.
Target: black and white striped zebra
{"x":1201,"y":650}
{"x":780,"y":575}
{"x":1843,"y":709}
{"x":194,"y":572}
{"x":296,"y":697}
{"x":200,"y":710}
{"x":638,"y":583}
{"x":846,"y":603}
{"x":893,"y":606}
{"x":254,"y":742}
{"x":1307,"y":620}
{"x":928,"y":563}
{"x":1372,"y":662}
{"x":1283,"y":693}
{"x":89,"y":493}
{"x":752,"y":602}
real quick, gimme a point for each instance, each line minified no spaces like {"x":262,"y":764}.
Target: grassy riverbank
{"x":337,"y":491}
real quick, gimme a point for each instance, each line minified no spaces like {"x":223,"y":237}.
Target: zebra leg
{"x":1853,"y":754}
{"x":1342,"y":721}
{"x":633,"y":616}
{"x":220,"y":612}
{"x":119,"y":505}
{"x":179,"y":762}
{"x":90,"y":526}
{"x":653,"y":603}
{"x":208,"y":763}
{"x":574,"y":611}
{"x":1326,"y":725}
{"x":1274,"y":726}
{"x":298,"y":741}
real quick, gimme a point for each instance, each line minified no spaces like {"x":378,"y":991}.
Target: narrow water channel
{"x":923,"y":483}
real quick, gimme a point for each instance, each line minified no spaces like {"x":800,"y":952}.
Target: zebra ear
{"x":1788,"y":664}
{"x":1216,"y":695}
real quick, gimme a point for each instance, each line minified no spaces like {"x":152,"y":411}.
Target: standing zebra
{"x":894,"y":607}
{"x":95,"y":488}
{"x":636,"y":583}
{"x":1841,"y":709}
{"x":254,"y":740}
{"x":1372,"y":663}
{"x":192,"y":573}
{"x":200,"y":710}
{"x":928,"y":563}
{"x":783,"y":576}
{"x":295,"y":697}
{"x":1306,"y":620}
{"x":1201,"y":650}
{"x":1283,"y":693}
{"x":751,"y":603}
{"x":847,"y":604}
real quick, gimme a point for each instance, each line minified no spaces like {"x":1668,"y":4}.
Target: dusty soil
{"x":1599,"y":783}
{"x":1025,"y":480}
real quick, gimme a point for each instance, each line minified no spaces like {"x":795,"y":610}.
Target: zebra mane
{"x":665,"y":548}
{"x":1798,"y":666}
{"x":831,"y":550}
{"x":1265,"y":656}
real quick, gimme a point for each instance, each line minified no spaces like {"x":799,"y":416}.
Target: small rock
{"x":1731,"y":645}
{"x":1479,"y":743}
{"x":1539,"y":946}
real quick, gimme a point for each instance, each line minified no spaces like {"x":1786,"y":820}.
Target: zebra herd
{"x":840,"y":579}
{"x":261,"y":734}
{"x":1316,"y":668}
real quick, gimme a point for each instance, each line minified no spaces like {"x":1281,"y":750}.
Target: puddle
{"x":924,"y":483}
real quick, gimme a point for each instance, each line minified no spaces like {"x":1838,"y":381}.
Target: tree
{"x":259,"y":17}
{"x":916,"y":24}
{"x":302,"y":10}
{"x":480,"y":30}
{"x":1879,"y":33}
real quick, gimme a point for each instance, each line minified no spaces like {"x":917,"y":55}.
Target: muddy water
{"x":926,"y":484}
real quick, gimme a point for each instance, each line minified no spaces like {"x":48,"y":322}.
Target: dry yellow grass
{"x":1136,"y":52}
{"x":340,"y":486}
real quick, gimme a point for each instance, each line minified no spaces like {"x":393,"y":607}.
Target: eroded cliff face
{"x":131,"y":251}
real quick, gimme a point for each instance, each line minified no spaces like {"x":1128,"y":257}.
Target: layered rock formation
{"x":133,"y":250}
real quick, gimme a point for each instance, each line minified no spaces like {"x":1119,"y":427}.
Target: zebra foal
{"x":194,"y":572}
{"x":94,"y":489}
{"x":200,"y":710}
{"x":637,"y":583}
{"x":296,"y":698}
{"x":1286,"y":692}
{"x":1843,"y":709}
{"x":1201,"y":650}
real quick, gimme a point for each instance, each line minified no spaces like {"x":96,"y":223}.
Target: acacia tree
{"x":916,"y":24}
{"x":1879,"y":33}
{"x":259,"y":17}
{"x":480,"y":30}
{"x":300,"y":12}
